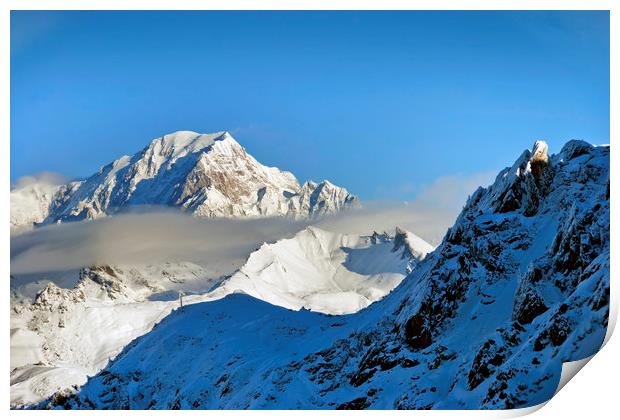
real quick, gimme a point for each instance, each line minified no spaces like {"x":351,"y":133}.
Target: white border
{"x":593,"y":394}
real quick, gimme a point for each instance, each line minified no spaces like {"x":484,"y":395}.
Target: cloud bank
{"x":159,"y":236}
{"x":145,"y":238}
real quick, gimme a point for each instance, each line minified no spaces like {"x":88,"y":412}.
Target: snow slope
{"x":519,"y":285}
{"x":326,"y":272}
{"x":69,"y":333}
{"x":207,"y":175}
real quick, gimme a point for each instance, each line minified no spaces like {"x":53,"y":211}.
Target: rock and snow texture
{"x":207,"y":175}
{"x":71,"y":332}
{"x":519,"y":285}
{"x":66,"y":334}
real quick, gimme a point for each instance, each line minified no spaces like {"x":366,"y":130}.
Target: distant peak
{"x":225,"y":136}
{"x":180,"y":134}
{"x":177,"y":139}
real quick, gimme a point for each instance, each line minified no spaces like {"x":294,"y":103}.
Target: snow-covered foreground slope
{"x":69,"y":333}
{"x":204,"y":174}
{"x":519,"y":285}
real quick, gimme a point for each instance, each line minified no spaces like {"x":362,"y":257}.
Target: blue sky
{"x":383,"y":103}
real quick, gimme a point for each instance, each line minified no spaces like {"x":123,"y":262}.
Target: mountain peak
{"x":184,"y":142}
{"x":413,"y":247}
{"x":209,"y":175}
{"x":540,"y":152}
{"x":575,"y":148}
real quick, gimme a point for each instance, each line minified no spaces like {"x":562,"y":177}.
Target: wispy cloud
{"x":451,"y":191}
{"x":47,"y":178}
{"x":428,"y":223}
{"x":429,"y":215}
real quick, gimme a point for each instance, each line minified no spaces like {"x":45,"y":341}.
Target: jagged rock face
{"x":521,"y":186}
{"x":53,"y":296}
{"x":519,"y":285}
{"x":208,"y":175}
{"x":322,"y":198}
{"x":543,"y":226}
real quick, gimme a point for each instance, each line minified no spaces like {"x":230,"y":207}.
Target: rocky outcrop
{"x":522,"y":186}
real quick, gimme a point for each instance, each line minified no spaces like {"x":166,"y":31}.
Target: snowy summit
{"x":208,"y":175}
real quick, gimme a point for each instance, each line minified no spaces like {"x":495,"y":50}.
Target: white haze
{"x":46,"y":178}
{"x":155,"y":237}
{"x":429,"y":216}
{"x":428,"y":223}
{"x":144,"y":238}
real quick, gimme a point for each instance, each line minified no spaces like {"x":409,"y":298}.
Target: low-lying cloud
{"x":160,"y":236}
{"x":145,"y":238}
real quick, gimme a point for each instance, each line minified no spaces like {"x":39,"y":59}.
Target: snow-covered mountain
{"x":326,"y":272}
{"x":205,"y":174}
{"x":519,"y":285}
{"x":69,"y":333}
{"x":30,"y":203}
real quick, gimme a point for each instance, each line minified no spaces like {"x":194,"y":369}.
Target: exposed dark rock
{"x":489,"y":357}
{"x":360,"y":403}
{"x":529,"y":306}
{"x":555,"y":334}
{"x":417,"y":332}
